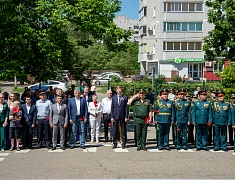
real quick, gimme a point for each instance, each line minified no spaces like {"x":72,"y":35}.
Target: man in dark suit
{"x":58,"y":120}
{"x":78,"y":113}
{"x":119,"y":114}
{"x":28,"y":121}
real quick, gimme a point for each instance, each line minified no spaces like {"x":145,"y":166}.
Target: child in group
{"x":15,"y":117}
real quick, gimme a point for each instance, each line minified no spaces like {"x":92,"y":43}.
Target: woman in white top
{"x":95,"y":110}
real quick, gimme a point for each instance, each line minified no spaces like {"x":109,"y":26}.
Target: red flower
{"x":95,"y":103}
{"x":209,"y":123}
{"x":15,"y":111}
{"x":178,"y":129}
{"x":47,"y":119}
{"x":156,"y":111}
{"x":82,"y":118}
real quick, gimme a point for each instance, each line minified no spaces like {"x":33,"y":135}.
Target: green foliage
{"x":228,"y":76}
{"x":220,"y":41}
{"x":131,"y":88}
{"x":115,"y":79}
{"x":40,"y":37}
{"x":17,"y":90}
{"x":177,"y":79}
{"x":161,"y":79}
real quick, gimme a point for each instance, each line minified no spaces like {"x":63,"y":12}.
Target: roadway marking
{"x":107,"y":145}
{"x":220,"y":151}
{"x":233,"y":154}
{"x":91,"y":149}
{"x":120,"y":150}
{"x":4,"y":154}
{"x":56,"y":151}
{"x":154,"y":150}
{"x":1,"y":159}
{"x":23,"y":151}
{"x":189,"y":150}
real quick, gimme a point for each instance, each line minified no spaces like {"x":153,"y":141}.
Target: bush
{"x":115,"y":79}
{"x":177,"y":79}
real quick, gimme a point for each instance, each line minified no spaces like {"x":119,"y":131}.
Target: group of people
{"x":211,"y":118}
{"x":77,"y":116}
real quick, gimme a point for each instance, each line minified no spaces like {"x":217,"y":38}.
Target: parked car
{"x":105,"y":79}
{"x":114,"y":73}
{"x":54,"y":84}
{"x":138,"y":78}
{"x":35,"y":87}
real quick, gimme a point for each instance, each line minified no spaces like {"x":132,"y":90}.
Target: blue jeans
{"x":81,"y":126}
{"x":74,"y":132}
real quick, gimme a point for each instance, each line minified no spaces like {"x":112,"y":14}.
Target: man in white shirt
{"x":106,"y":106}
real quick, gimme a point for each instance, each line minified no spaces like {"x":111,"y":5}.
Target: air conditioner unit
{"x":208,"y":64}
{"x":150,"y":28}
{"x":149,"y":53}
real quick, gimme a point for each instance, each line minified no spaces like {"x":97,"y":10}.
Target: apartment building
{"x":171,"y":39}
{"x":125,"y":23}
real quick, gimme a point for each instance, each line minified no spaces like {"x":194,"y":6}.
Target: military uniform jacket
{"x":164,"y":111}
{"x":182,"y":110}
{"x":232,"y":115}
{"x":141,"y":109}
{"x":221,"y":113}
{"x":201,"y":112}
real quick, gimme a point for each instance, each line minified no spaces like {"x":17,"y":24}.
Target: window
{"x":136,"y":32}
{"x":136,"y":27}
{"x":188,"y":7}
{"x":182,"y":46}
{"x":144,"y":29}
{"x":154,"y":12}
{"x":145,"y":11}
{"x":218,"y":66}
{"x":182,"y":26}
{"x":195,"y":70}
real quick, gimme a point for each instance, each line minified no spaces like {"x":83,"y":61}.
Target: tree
{"x":220,"y":41}
{"x":36,"y":37}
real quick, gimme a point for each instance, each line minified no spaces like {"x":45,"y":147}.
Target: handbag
{"x":147,"y":120}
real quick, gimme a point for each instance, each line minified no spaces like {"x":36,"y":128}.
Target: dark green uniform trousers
{"x":182,"y":141}
{"x":220,"y":132}
{"x":157,"y":129}
{"x":163,"y":135}
{"x":3,"y":138}
{"x":201,"y":136}
{"x":141,"y":132}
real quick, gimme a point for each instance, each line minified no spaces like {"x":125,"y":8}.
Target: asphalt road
{"x":101,"y":161}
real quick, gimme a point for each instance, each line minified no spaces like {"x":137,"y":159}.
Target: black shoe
{"x":123,"y":147}
{"x":197,"y":149}
{"x":185,"y":149}
{"x":63,"y":148}
{"x":114,"y":146}
{"x":216,"y":149}
{"x":71,"y":147}
{"x":160,"y":148}
{"x":168,"y":149}
{"x":206,"y":149}
{"x":178,"y":148}
{"x":83,"y":147}
{"x":145,"y":149}
{"x":138,"y":149}
{"x":48,"y":147}
{"x":66,"y":145}
{"x":54,"y":148}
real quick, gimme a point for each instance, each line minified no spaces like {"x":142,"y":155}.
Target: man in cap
{"x":188,"y":96}
{"x":232,"y":106}
{"x":211,"y":128}
{"x":202,"y":118}
{"x":142,"y":112}
{"x":164,"y":115}
{"x":222,"y":118}
{"x":182,"y":110}
{"x":191,"y":126}
{"x":43,"y":113}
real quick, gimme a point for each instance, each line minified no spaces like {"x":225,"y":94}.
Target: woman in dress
{"x":3,"y":122}
{"x":95,"y":110}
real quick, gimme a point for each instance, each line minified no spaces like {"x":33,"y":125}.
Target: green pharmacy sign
{"x":182,"y":60}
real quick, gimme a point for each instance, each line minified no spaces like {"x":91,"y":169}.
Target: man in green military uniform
{"x":191,"y":126}
{"x":182,"y":110}
{"x":202,"y":118}
{"x":164,"y":114}
{"x":142,"y":110}
{"x":221,"y":119}
{"x":212,"y":128}
{"x":232,"y":106}
{"x":230,"y":128}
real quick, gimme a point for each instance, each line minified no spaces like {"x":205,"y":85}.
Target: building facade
{"x":128,"y":24}
{"x":171,"y":39}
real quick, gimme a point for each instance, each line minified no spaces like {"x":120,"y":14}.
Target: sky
{"x":130,"y":8}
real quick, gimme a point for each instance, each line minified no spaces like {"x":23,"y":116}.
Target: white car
{"x":54,"y":84}
{"x":105,"y":79}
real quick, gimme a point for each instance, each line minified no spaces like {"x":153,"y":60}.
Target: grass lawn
{"x":101,"y":89}
{"x":18,"y":90}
